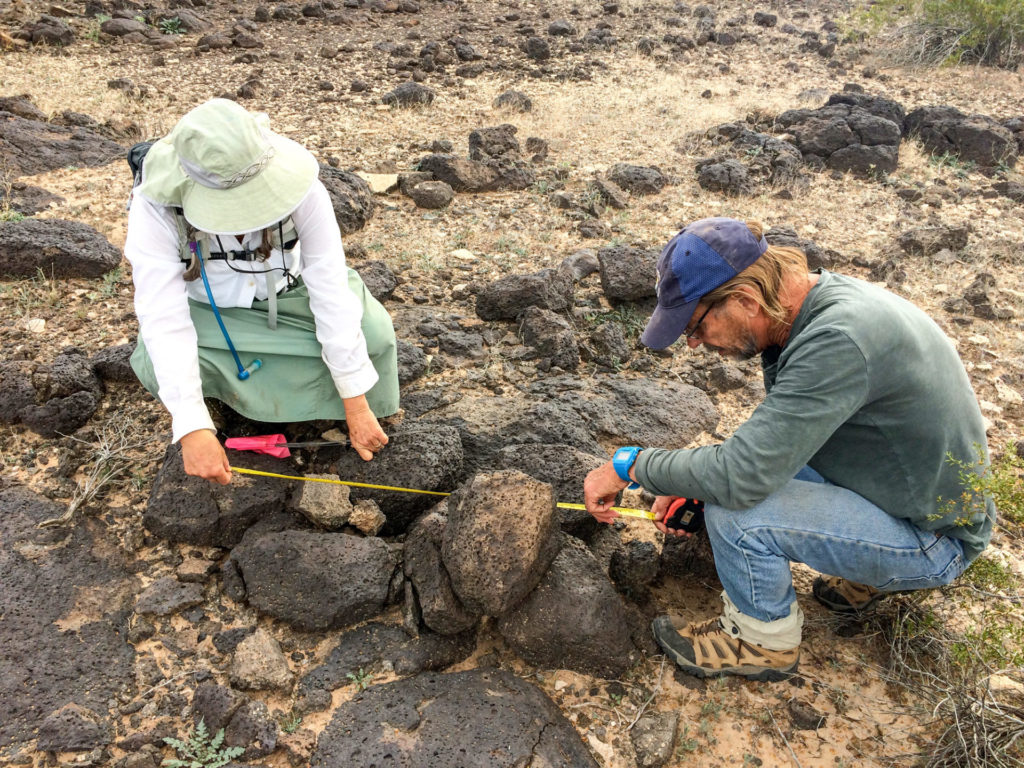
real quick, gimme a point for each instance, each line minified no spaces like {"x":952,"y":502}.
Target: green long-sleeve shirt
{"x":868,"y":392}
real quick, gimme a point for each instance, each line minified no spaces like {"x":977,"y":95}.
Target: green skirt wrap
{"x":294,"y":384}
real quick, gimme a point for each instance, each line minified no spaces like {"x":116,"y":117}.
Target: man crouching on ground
{"x":847,"y":464}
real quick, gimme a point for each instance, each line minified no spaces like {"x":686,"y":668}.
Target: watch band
{"x":623,"y":461}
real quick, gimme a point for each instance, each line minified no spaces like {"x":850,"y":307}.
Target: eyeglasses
{"x":689,"y":334}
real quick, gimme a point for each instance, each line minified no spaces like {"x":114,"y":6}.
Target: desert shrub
{"x":952,"y":31}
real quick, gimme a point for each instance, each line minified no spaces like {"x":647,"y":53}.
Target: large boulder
{"x":65,"y":603}
{"x":351,"y":197}
{"x":508,"y":297}
{"x":574,"y":619}
{"x":315,"y":580}
{"x":845,"y":137}
{"x":973,"y":138}
{"x":29,"y":147}
{"x":564,"y":468}
{"x":460,"y":173}
{"x":189,"y":509}
{"x":754,"y":162}
{"x":55,"y":247}
{"x":474,"y":719}
{"x":500,"y":539}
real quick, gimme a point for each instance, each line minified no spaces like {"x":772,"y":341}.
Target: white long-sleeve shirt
{"x":161,"y":301}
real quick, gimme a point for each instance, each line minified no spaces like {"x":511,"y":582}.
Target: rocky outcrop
{"x":973,"y":138}
{"x":574,"y":618}
{"x":466,"y":718}
{"x":56,"y":248}
{"x":315,"y":580}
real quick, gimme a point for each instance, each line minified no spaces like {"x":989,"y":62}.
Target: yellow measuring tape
{"x":562,"y":505}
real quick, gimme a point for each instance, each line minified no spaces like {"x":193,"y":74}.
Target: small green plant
{"x":988,"y":574}
{"x":952,"y":162}
{"x":9,"y":214}
{"x":1001,"y":481}
{"x":198,"y":750}
{"x":687,"y":743}
{"x":171,"y":26}
{"x":291,"y":722}
{"x":361,"y":678}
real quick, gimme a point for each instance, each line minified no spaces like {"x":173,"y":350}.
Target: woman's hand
{"x":364,"y":432}
{"x":204,"y":456}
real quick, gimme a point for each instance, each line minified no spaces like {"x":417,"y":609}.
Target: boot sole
{"x":761,"y":674}
{"x":846,"y":607}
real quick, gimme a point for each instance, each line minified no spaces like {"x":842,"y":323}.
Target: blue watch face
{"x":623,"y":460}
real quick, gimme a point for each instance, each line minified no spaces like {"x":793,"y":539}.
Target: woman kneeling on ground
{"x":236,"y":258}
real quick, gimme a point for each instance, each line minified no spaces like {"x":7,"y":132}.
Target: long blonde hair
{"x":765,"y":276}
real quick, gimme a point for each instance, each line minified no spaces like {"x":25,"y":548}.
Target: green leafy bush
{"x":198,"y":750}
{"x":953,"y":31}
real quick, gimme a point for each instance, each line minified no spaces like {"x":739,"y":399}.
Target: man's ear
{"x":748,"y":299}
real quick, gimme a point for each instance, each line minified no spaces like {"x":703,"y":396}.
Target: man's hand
{"x":660,"y":510}
{"x":599,"y":489}
{"x":364,"y":432}
{"x":204,"y":456}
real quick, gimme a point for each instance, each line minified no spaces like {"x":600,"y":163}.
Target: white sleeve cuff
{"x":188,"y":417}
{"x":355,"y":384}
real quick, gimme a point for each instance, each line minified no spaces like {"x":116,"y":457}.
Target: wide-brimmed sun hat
{"x":227,"y":170}
{"x":703,"y":256}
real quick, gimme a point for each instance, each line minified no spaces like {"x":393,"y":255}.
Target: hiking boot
{"x":845,"y":596}
{"x":706,"y":649}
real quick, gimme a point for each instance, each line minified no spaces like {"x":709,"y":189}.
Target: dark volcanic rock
{"x":654,"y":735}
{"x":927,"y":241}
{"x":112,"y":363}
{"x":493,"y":565}
{"x":474,"y":719}
{"x":368,"y":646}
{"x":432,"y":194}
{"x":190,"y":509}
{"x":378,"y":278}
{"x":515,"y":100}
{"x":507,"y":298}
{"x":60,"y":646}
{"x":425,"y":456}
{"x":638,"y":179}
{"x":608,"y":346}
{"x":253,"y":728}
{"x":28,"y":200}
{"x":167,"y":595}
{"x":460,"y":173}
{"x":564,"y":468}
{"x":442,"y":610}
{"x":215,"y":705}
{"x":409,"y":94}
{"x":56,"y":247}
{"x":845,"y":137}
{"x":816,"y":255}
{"x":351,"y":197}
{"x":728,"y":176}
{"x":628,"y":274}
{"x":974,"y":138}
{"x":537,"y":48}
{"x":551,"y":336}
{"x":315,"y":580}
{"x":574,"y":619}
{"x":72,"y":729}
{"x":29,"y":147}
{"x":52,"y":400}
{"x":412,"y":362}
{"x":496,"y":142}
{"x":48,"y":31}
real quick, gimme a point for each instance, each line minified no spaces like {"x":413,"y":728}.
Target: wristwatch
{"x":623,"y":461}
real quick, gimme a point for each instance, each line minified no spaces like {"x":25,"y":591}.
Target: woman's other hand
{"x":364,"y":432}
{"x":204,"y":456}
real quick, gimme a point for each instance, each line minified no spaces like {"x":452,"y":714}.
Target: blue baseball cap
{"x":703,"y":256}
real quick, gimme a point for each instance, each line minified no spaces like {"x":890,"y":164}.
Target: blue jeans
{"x":831,"y":529}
